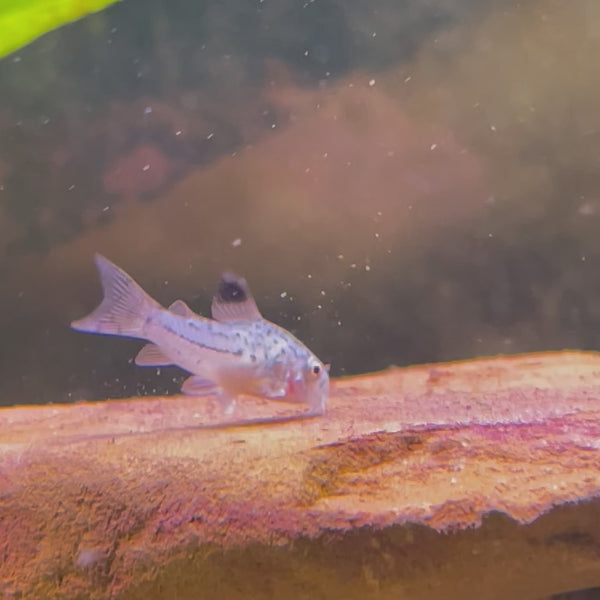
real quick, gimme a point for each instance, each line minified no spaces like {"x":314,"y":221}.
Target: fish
{"x":235,"y":353}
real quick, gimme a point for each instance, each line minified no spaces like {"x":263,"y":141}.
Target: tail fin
{"x":124,"y":308}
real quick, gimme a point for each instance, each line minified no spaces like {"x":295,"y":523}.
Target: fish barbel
{"x":237,"y":352}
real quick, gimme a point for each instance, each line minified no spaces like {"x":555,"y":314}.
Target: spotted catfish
{"x":235,"y":353}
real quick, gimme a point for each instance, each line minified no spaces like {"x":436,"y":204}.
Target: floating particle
{"x":237,"y":242}
{"x":433,"y":146}
{"x":145,"y":167}
{"x":283,"y":294}
{"x":371,"y":83}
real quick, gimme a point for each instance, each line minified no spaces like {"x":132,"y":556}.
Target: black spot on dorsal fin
{"x":233,"y":300}
{"x":232,"y":289}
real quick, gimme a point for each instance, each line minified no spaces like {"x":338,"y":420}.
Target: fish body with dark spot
{"x":237,"y":352}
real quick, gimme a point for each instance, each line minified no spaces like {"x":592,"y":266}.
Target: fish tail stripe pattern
{"x":125,"y":307}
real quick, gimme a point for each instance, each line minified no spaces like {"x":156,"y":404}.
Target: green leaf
{"x":22,"y":21}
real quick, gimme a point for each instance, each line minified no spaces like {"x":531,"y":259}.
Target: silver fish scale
{"x":258,"y":341}
{"x":276,"y":344}
{"x":204,"y":333}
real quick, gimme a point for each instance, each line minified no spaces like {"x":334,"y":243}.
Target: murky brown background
{"x":399,"y":183}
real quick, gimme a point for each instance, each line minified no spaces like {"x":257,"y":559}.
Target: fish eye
{"x":316,"y":369}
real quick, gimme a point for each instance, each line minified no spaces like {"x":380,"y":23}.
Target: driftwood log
{"x":477,"y":479}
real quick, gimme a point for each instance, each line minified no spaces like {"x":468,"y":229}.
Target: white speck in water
{"x":367,"y":268}
{"x":273,"y":125}
{"x":237,"y":242}
{"x":325,"y":154}
{"x":407,"y":79}
{"x":148,"y":110}
{"x":371,"y":82}
{"x":493,"y":127}
{"x":283,"y":294}
{"x":583,"y":258}
{"x":322,"y":292}
{"x":71,"y":187}
{"x":353,"y":266}
{"x":433,"y":146}
{"x":319,"y":306}
{"x":377,"y":235}
{"x":309,"y":276}
{"x":374,"y":34}
{"x":210,"y":136}
{"x":339,"y":323}
{"x":17,"y":59}
{"x":340,"y":256}
{"x":106,"y":208}
{"x":307,"y":170}
{"x":306,"y":53}
{"x":490,"y":235}
{"x":178,"y":132}
{"x":146,"y":168}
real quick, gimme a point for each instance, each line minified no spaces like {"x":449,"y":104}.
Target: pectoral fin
{"x":152,"y":356}
{"x":198,"y":386}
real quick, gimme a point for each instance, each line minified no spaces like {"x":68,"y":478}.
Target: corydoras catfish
{"x":235,"y":353}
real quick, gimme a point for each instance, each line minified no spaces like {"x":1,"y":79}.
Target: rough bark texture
{"x":478,"y":479}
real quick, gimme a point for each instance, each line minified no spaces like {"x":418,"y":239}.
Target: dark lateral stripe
{"x":201,"y":345}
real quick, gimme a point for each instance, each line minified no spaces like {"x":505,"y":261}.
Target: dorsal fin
{"x":179,"y":307}
{"x":233,"y":300}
